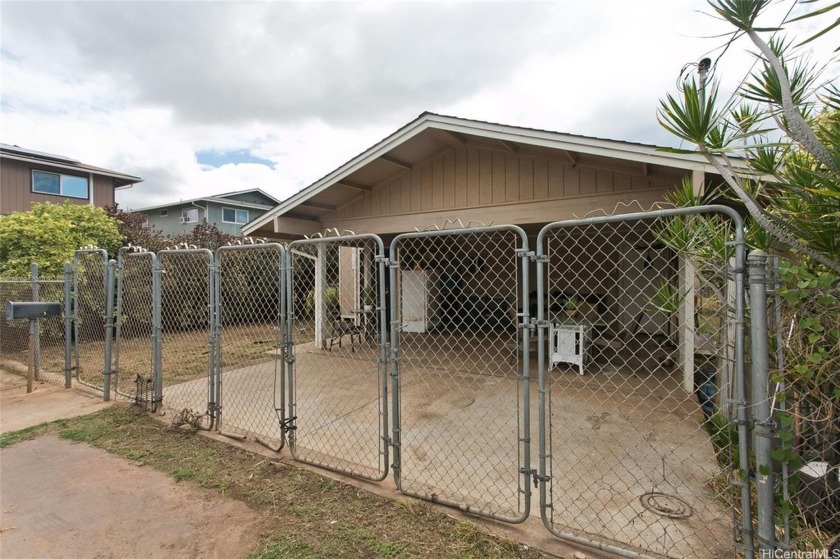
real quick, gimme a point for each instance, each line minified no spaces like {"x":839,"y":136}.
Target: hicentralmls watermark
{"x":789,"y":554}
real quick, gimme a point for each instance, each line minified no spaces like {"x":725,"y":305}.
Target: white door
{"x":414,"y":296}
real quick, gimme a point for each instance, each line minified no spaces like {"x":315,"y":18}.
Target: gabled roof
{"x":217,"y":199}
{"x":61,"y":162}
{"x":454,"y":130}
{"x":248,"y":191}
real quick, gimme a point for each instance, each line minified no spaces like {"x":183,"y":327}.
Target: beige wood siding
{"x":16,"y":187}
{"x":489,"y":185}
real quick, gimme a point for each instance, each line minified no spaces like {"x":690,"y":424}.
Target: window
{"x":230,"y":215}
{"x":59,"y":185}
{"x":164,"y":213}
{"x":145,"y":221}
{"x":189,"y":215}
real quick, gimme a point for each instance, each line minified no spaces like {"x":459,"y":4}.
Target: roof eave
{"x":553,"y":140}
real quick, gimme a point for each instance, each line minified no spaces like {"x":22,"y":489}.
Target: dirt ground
{"x":58,"y":498}
{"x":141,"y":512}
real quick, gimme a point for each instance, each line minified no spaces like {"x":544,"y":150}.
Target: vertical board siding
{"x":103,"y":191}
{"x":556,"y":180}
{"x":512,"y":185}
{"x":461,"y":178}
{"x":448,"y":171}
{"x":470,"y":176}
{"x":526,"y":178}
{"x":498,"y":169}
{"x":473,"y":178}
{"x":17,"y":195}
{"x":426,"y":188}
{"x":485,"y":177}
{"x":540,"y":179}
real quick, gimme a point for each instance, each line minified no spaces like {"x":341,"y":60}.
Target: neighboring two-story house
{"x":229,"y":212}
{"x":28,"y":176}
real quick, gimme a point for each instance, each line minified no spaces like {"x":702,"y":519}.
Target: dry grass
{"x":305,"y":515}
{"x":185,"y":355}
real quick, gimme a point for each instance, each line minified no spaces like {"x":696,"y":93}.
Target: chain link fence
{"x":655,"y":437}
{"x":251,"y":326}
{"x":338,"y":397}
{"x":188,"y":337}
{"x":461,"y":398}
{"x":90,"y":317}
{"x":50,"y":351}
{"x":638,"y":343}
{"x":135,"y":332}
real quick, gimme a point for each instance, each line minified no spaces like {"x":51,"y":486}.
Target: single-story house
{"x":441,"y":170}
{"x":28,"y":176}
{"x":230,"y":212}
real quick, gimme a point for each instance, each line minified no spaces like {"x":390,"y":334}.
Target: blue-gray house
{"x":229,"y":212}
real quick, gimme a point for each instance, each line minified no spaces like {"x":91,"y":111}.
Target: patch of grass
{"x":307,"y":515}
{"x":13,"y":437}
{"x":182,"y":474}
{"x":283,"y":545}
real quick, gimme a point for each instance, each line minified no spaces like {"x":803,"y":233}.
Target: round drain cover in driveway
{"x":666,"y":505}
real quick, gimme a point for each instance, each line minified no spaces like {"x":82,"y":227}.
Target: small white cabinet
{"x":568,"y":344}
{"x":420,"y":308}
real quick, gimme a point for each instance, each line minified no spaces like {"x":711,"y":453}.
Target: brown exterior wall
{"x":16,"y":187}
{"x":488,"y":185}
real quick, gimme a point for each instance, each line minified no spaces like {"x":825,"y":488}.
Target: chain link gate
{"x":640,"y":353}
{"x":188,"y":333}
{"x":461,"y":400}
{"x":251,"y":326}
{"x":93,"y":291}
{"x":137,"y":328}
{"x":337,"y":412}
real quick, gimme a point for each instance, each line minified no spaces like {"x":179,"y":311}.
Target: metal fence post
{"x":157,"y":374}
{"x":37,"y":322}
{"x":289,"y":353}
{"x":115,"y":369}
{"x":109,"y":327}
{"x":776,"y":279}
{"x":396,"y":434}
{"x":68,"y":323}
{"x":215,"y":383}
{"x":762,"y":414}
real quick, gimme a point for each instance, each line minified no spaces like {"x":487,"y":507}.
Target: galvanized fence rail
{"x":251,"y":340}
{"x":461,"y":394}
{"x":337,"y":412}
{"x":642,"y":402}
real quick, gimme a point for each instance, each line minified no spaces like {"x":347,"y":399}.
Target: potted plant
{"x":368,"y":297}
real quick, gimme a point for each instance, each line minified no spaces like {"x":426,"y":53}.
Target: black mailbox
{"x":25,"y":309}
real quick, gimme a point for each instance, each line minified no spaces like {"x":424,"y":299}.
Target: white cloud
{"x":141,"y":87}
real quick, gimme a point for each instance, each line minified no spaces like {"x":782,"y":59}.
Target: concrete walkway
{"x":47,"y":402}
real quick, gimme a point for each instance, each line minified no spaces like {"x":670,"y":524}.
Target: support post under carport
{"x":321,"y":299}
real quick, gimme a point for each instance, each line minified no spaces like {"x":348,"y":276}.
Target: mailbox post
{"x":33,"y":311}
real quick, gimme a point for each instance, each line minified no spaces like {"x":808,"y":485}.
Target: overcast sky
{"x":199,"y":98}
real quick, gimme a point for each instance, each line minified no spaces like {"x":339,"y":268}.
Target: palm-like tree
{"x":784,"y":133}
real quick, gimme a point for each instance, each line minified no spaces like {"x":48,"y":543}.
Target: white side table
{"x":568,"y":344}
